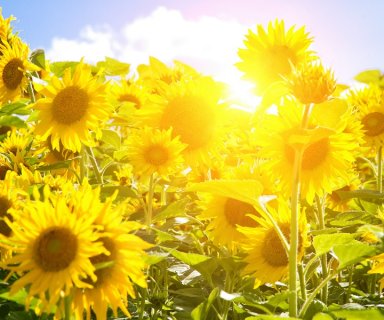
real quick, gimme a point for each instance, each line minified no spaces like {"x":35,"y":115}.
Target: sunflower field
{"x":145,"y":193}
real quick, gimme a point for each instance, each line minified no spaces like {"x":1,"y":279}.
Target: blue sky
{"x":206,"y":34}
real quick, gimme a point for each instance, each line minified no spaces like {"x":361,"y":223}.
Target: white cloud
{"x":209,"y":44}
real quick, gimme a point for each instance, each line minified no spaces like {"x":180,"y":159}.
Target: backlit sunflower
{"x":196,"y":114}
{"x":328,"y":152}
{"x":311,"y":83}
{"x":369,"y":104}
{"x":157,"y":76}
{"x":126,"y":263}
{"x":14,"y":65}
{"x":266,"y":257}
{"x":154,"y":151}
{"x":52,"y":249}
{"x":271,"y":53}
{"x":72,"y":109}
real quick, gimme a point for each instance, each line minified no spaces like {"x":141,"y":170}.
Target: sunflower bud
{"x":311,"y":83}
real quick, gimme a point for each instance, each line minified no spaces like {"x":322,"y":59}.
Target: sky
{"x":348,"y":34}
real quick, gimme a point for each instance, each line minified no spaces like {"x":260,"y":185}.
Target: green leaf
{"x":191,"y":259}
{"x":153,"y":258}
{"x":56,"y":165}
{"x":123,"y":191}
{"x":19,"y":297}
{"x":58,"y":67}
{"x":322,"y":316}
{"x":113,"y":67}
{"x":267,"y":317}
{"x":323,"y":243}
{"x":373,"y":314}
{"x":369,"y":76}
{"x":175,"y":209}
{"x":12,"y":121}
{"x":18,"y":107}
{"x":112,"y":138}
{"x":243,"y":190}
{"x":38,"y":58}
{"x":201,"y":311}
{"x":352,"y":252}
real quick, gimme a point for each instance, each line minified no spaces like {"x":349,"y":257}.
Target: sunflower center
{"x":313,"y":156}
{"x":13,"y":74}
{"x":335,"y":196}
{"x":236,"y":213}
{"x":373,"y":123}
{"x":55,"y":249}
{"x":192,"y":119}
{"x":103,"y":273}
{"x":70,"y":105}
{"x":156,"y":155}
{"x":272,"y":249}
{"x":130,"y":98}
{"x":5,"y":204}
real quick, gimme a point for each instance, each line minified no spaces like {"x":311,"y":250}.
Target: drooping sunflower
{"x":196,"y":114}
{"x":266,"y":259}
{"x":73,"y":108}
{"x":271,"y":53}
{"x":328,"y":152}
{"x":369,"y":105}
{"x":154,"y":151}
{"x":123,"y":266}
{"x":14,"y":66}
{"x":52,"y":250}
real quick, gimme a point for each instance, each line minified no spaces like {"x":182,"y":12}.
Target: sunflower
{"x":271,"y":54}
{"x":10,"y":198}
{"x":328,"y":152}
{"x":14,"y":65}
{"x":311,"y":83}
{"x":5,"y":28}
{"x":196,"y":114}
{"x":369,"y":104}
{"x":154,"y":151}
{"x":52,"y":249}
{"x":266,"y":257}
{"x":336,"y":202}
{"x":123,"y":266}
{"x":73,"y":107}
{"x":225,"y":204}
{"x":157,"y":76}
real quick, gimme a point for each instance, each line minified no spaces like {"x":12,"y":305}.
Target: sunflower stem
{"x":31,"y":91}
{"x":294,"y":238}
{"x":294,"y":227}
{"x":303,"y":288}
{"x":82,"y":163}
{"x":95,"y":167}
{"x":324,"y":262}
{"x":67,"y":308}
{"x":151,"y":189}
{"x":380,"y":169}
{"x":314,"y":294}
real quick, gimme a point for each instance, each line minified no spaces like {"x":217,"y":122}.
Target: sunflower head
{"x":369,"y":105}
{"x":267,"y":259}
{"x":14,"y":65}
{"x":154,"y":151}
{"x":271,"y":53}
{"x":73,"y":109}
{"x":311,"y":83}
